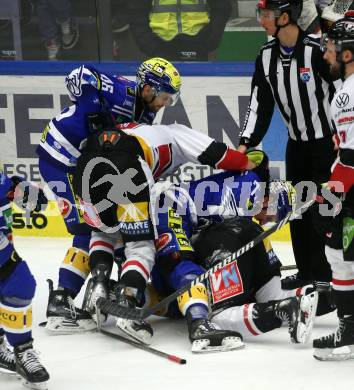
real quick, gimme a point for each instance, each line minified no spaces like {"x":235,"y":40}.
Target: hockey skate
{"x":338,"y":345}
{"x":294,"y":281}
{"x":299,"y":313}
{"x":28,"y":366}
{"x":206,"y":336}
{"x":138,"y":330}
{"x":62,"y":315}
{"x":7,"y":359}
{"x":97,"y":287}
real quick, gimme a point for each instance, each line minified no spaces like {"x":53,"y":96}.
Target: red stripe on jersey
{"x":298,"y":291}
{"x":341,"y":282}
{"x":344,"y":174}
{"x":165,"y":159}
{"x":232,"y":160}
{"x":102,"y":243}
{"x":137,"y":263}
{"x":247,"y":322}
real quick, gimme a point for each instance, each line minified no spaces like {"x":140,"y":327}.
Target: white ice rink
{"x":93,"y":361}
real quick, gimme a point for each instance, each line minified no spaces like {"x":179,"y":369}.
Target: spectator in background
{"x":185,"y":30}
{"x":124,"y":45}
{"x":57,"y":27}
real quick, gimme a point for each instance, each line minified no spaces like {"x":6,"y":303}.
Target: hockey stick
{"x":108,"y":307}
{"x":145,"y":347}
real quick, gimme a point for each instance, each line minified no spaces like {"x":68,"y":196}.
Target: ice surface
{"x":93,"y":361}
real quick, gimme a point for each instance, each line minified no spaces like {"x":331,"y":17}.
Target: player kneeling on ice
{"x":17,"y":287}
{"x":113,"y":180}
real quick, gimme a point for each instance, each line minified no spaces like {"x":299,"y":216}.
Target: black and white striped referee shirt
{"x":301,"y":86}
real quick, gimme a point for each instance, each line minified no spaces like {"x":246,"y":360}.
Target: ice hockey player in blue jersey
{"x":254,"y":278}
{"x":93,"y":94}
{"x":17,"y":288}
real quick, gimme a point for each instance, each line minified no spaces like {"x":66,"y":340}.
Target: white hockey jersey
{"x":342,"y":112}
{"x":167,"y":147}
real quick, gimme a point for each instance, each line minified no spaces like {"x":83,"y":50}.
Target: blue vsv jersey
{"x":181,"y":209}
{"x":5,"y":218}
{"x":64,"y":136}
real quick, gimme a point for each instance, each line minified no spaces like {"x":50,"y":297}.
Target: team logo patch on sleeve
{"x":226,"y":283}
{"x":163,"y":240}
{"x":65,"y":207}
{"x":305,"y":74}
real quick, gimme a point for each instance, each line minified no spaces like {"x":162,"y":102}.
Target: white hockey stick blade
{"x":307,"y":314}
{"x":228,"y":344}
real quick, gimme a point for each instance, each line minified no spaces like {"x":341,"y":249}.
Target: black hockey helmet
{"x":341,"y":33}
{"x":292,"y":7}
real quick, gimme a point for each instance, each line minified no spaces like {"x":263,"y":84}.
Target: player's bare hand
{"x":242,"y":149}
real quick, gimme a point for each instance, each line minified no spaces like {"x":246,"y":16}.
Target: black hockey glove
{"x":9,"y":266}
{"x":261,"y":160}
{"x":98,"y":121}
{"x":26,"y":195}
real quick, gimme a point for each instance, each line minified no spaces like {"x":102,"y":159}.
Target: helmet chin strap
{"x":275,"y":35}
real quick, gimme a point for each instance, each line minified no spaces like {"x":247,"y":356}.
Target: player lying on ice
{"x":17,"y":287}
{"x":254,"y":283}
{"x":113,"y":180}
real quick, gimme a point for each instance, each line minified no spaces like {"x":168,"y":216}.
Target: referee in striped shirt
{"x":291,"y":73}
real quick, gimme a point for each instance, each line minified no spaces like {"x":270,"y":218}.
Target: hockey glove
{"x":26,"y":195}
{"x":9,"y":266}
{"x":282,"y":198}
{"x":98,"y":121}
{"x":261,"y":160}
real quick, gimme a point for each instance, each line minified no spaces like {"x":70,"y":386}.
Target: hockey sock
{"x":261,"y":318}
{"x":74,"y":270}
{"x":197,"y":296}
{"x":16,"y":323}
{"x":249,"y":320}
{"x":133,"y":279}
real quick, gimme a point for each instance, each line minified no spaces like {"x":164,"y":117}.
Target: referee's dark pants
{"x":310,"y":161}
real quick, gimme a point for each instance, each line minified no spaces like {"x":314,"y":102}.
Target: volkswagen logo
{"x":342,"y":100}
